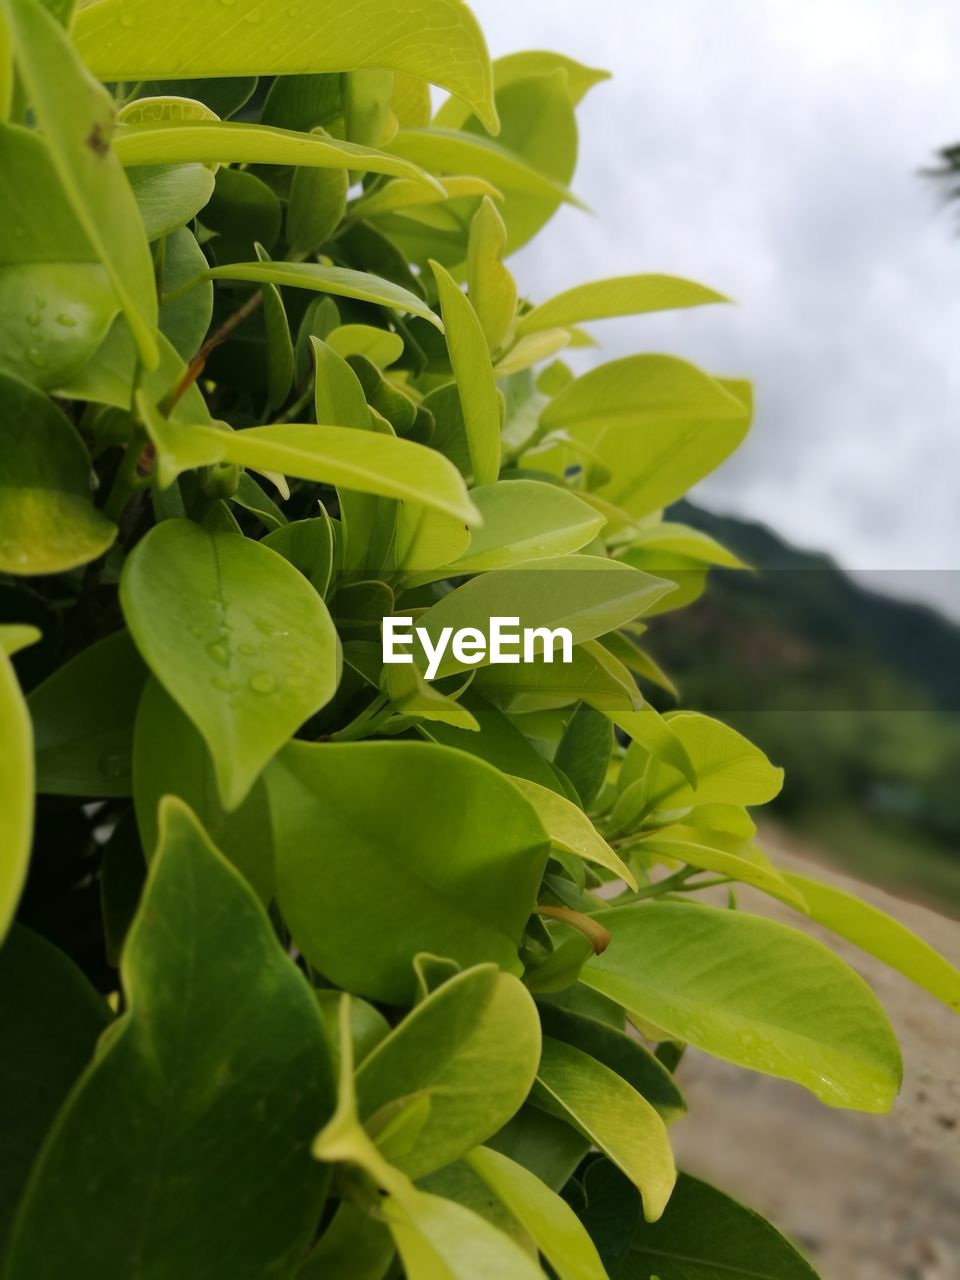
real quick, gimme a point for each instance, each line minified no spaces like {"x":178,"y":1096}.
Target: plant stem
{"x":196,"y":366}
{"x":124,"y":482}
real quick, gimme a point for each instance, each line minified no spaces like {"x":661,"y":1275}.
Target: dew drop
{"x":247,"y":648}
{"x":33,"y":319}
{"x":219,"y":652}
{"x":223,"y":684}
{"x":35,"y":358}
{"x":262,"y":682}
{"x":66,"y":320}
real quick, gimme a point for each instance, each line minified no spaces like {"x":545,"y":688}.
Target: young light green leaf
{"x":619,"y":296}
{"x":368,"y":462}
{"x":76,"y":115}
{"x":437,"y":40}
{"x":476,"y":386}
{"x":413,"y":877}
{"x":729,"y":769}
{"x":588,"y":595}
{"x":52,"y":1018}
{"x":727,"y":855}
{"x":670,"y":539}
{"x":219,"y":141}
{"x":610,"y":1112}
{"x":184,"y":323}
{"x":406,"y":195}
{"x":618,"y":1050}
{"x":154,"y":1195}
{"x":548,"y":1218}
{"x":339,"y":281}
{"x":780,"y":1002}
{"x":658,"y":425}
{"x":446,"y":151}
{"x":479,"y":1024}
{"x":880,"y":935}
{"x":411,"y":695}
{"x":170,"y":758}
{"x":237,"y":637}
{"x":380,"y":346}
{"x":438,"y":1239}
{"x":522,"y":520}
{"x":490,"y":287}
{"x":571,"y":830}
{"x":454,"y":114}
{"x":83,"y":718}
{"x":16,"y":791}
{"x":48,"y":522}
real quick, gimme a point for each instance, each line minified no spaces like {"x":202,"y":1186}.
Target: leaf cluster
{"x":324,"y":969}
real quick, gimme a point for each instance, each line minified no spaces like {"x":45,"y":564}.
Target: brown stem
{"x":196,"y":366}
{"x":596,"y":933}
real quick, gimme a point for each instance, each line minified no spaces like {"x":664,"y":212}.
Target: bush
{"x":322,"y":968}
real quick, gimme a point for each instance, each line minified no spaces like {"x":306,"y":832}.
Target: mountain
{"x":855,"y":693}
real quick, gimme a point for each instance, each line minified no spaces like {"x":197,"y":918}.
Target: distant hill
{"x":856,"y":694}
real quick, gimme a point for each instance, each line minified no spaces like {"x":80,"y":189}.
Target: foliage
{"x":322,"y":968}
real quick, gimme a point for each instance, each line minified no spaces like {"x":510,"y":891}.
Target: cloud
{"x":772,"y":151}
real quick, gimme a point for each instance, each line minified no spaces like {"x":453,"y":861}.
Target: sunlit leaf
{"x":779,"y":1002}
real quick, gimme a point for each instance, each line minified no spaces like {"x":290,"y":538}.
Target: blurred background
{"x":782,"y":153}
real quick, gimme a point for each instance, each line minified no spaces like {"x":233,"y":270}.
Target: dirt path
{"x":866,"y":1197}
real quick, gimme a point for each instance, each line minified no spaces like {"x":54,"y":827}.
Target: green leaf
{"x":218,"y":1071}
{"x":56,"y":299}
{"x":412,"y":198}
{"x":728,"y":769}
{"x":780,"y":1002}
{"x":705,"y":1233}
{"x":318,"y":199}
{"x":83,"y":719}
{"x":571,"y":830}
{"x":880,"y":935}
{"x":355,"y":1246}
{"x":439,"y":1239}
{"x":170,"y":195}
{"x":339,"y":281}
{"x":185,"y":322}
{"x":472,"y":368}
{"x":725,"y":854}
{"x":217,"y":141}
{"x":76,"y":115}
{"x":521,"y":66}
{"x":365,"y":461}
{"x":447,"y":151}
{"x":48,"y":522}
{"x":412,"y":877}
{"x":490,"y":287}
{"x":51,"y":1018}
{"x":309,"y":545}
{"x":498,"y":741}
{"x":589,"y":595}
{"x":412,"y":696}
{"x":436,"y":40}
{"x":657,"y":423}
{"x":585,"y":751}
{"x":236,"y":636}
{"x":522,"y":520}
{"x":610,"y":1112}
{"x":171,"y":758}
{"x":380,"y":346}
{"x":279,"y":343}
{"x":16,"y":790}
{"x":621,"y":1052}
{"x":471,"y":1047}
{"x":667,"y":539}
{"x":619,"y":296}
{"x":548,"y":1218}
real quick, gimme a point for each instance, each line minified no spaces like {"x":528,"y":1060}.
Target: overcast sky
{"x":772,"y":151}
